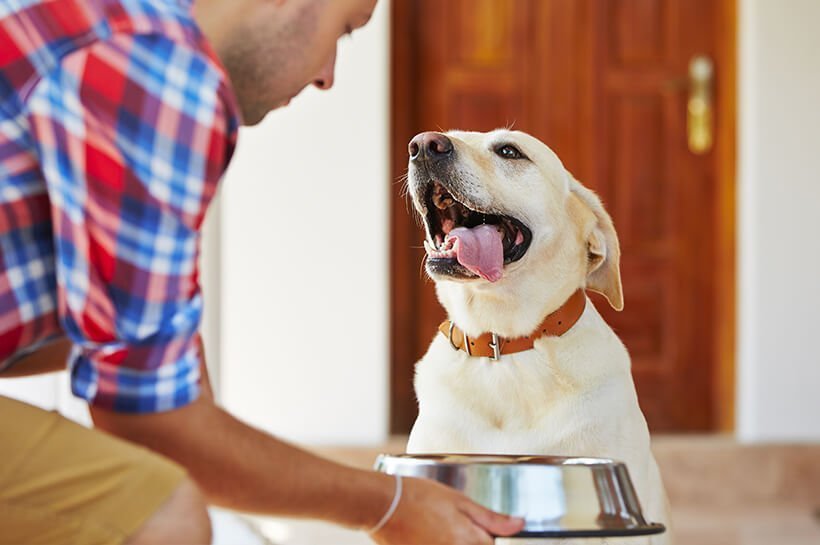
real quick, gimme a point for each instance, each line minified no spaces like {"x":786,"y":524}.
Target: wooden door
{"x":604,"y":83}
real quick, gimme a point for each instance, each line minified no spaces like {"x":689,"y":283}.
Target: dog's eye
{"x":508,"y":151}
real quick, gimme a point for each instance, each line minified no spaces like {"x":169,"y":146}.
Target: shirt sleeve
{"x":133,"y":136}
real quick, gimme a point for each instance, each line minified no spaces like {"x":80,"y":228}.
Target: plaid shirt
{"x":116,"y":123}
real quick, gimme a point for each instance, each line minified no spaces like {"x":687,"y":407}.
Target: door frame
{"x":725,"y":349}
{"x":402,"y":299}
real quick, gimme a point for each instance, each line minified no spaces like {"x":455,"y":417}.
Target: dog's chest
{"x":535,"y":401}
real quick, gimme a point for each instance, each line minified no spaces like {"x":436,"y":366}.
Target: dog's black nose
{"x":432,"y":144}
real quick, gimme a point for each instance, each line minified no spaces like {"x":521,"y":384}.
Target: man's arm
{"x":48,"y":359}
{"x":245,"y":469}
{"x":242,"y":468}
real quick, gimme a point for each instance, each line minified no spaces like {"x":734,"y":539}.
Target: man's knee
{"x":183,"y":518}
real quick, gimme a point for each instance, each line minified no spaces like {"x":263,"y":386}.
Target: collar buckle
{"x":496,"y":347}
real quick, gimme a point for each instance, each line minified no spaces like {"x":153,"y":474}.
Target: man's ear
{"x":603,"y":250}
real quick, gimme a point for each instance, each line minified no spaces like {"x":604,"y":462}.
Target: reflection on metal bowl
{"x":557,"y":496}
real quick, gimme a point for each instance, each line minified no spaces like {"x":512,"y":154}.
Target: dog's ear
{"x":603,"y":250}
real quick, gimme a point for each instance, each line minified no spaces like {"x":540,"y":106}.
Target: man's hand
{"x":432,"y":514}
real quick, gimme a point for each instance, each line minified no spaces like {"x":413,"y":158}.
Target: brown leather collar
{"x":490,"y":345}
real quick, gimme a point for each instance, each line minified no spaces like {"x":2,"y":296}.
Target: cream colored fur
{"x":571,"y":395}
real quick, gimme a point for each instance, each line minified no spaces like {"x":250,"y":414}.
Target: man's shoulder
{"x":171,"y":19}
{"x":37,"y":35}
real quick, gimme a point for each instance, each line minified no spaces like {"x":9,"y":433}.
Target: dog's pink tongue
{"x":480,"y":249}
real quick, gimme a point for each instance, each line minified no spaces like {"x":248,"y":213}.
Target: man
{"x":117,"y":119}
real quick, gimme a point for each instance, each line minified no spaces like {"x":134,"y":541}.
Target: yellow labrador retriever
{"x":526,"y":364}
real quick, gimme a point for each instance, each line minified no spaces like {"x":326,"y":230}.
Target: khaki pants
{"x":61,"y":483}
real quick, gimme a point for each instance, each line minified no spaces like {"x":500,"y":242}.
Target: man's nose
{"x":430,"y":144}
{"x":325,"y":78}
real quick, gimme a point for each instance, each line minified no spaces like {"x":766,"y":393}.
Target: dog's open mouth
{"x":464,"y":238}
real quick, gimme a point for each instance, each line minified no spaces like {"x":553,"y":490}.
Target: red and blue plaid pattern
{"x":116,"y":124}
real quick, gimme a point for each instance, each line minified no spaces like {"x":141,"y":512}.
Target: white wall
{"x":304,"y":255}
{"x":779,"y":205}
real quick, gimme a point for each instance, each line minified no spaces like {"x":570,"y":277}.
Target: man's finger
{"x":494,"y":523}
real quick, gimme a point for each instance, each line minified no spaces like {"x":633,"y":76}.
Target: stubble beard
{"x":264,"y":64}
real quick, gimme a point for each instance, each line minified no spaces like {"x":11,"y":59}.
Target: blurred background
{"x":695,"y":120}
{"x":718,"y":230}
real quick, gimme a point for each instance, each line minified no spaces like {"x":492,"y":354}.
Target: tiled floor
{"x":779,"y":525}
{"x":775,"y":526}
{"x":722,"y":493}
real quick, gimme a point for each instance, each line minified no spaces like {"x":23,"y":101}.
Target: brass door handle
{"x":699,"y":108}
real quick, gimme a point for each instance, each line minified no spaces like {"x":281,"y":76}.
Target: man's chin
{"x":255,"y":116}
{"x":256,"y":113}
{"x":252,"y":116}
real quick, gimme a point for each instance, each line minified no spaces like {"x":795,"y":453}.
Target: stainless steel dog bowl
{"x":558,"y":497}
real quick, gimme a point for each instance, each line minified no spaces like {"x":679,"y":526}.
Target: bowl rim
{"x":648,"y":529}
{"x":467,"y":460}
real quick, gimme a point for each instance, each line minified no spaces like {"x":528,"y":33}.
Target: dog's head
{"x":504,"y":221}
